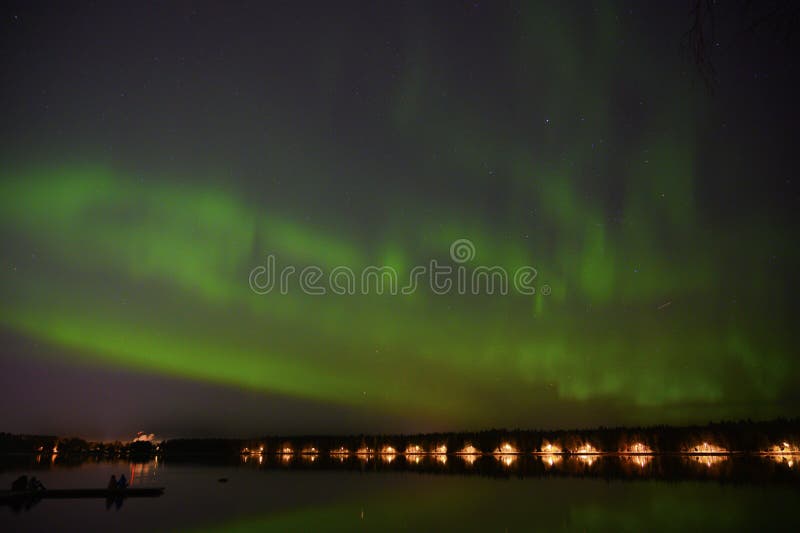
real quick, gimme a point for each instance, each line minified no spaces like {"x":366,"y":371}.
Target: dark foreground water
{"x":511,"y":493}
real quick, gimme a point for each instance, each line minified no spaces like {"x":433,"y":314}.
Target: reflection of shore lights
{"x":588,"y":459}
{"x":789,"y":459}
{"x":388,"y":457}
{"x":469,"y":459}
{"x":551,"y":459}
{"x":708,"y":460}
{"x":414,"y":459}
{"x":507,"y":459}
{"x":442,"y":458}
{"x":639,"y":460}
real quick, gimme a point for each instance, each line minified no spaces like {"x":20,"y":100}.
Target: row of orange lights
{"x":547,"y":449}
{"x":509,"y":458}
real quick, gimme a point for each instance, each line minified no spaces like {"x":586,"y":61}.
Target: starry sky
{"x":151,"y":155}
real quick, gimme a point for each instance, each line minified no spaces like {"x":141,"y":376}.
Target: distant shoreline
{"x":781,"y":436}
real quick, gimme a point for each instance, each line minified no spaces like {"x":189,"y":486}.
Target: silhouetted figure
{"x":122,"y":483}
{"x":21,"y":483}
{"x":112,"y":483}
{"x":35,"y":485}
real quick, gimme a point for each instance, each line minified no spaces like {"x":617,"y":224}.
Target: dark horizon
{"x":761,"y":435}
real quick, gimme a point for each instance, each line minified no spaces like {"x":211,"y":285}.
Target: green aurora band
{"x":183,"y":257}
{"x":658,"y":313}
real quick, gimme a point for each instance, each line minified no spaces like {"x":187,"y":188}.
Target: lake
{"x":426,"y":493}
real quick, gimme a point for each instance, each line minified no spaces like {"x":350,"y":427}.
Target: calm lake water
{"x":490,"y":494}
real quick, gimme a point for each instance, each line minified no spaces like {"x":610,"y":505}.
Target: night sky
{"x":152,"y":155}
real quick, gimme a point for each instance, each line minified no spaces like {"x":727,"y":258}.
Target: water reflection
{"x":387,"y":457}
{"x":551,"y":460}
{"x":708,"y":461}
{"x":340,"y":451}
{"x":344,"y":493}
{"x":469,"y":459}
{"x":609,"y":466}
{"x":640,"y":461}
{"x":788,"y":459}
{"x":506,"y":459}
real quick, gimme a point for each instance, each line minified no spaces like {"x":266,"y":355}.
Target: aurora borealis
{"x":151,"y":158}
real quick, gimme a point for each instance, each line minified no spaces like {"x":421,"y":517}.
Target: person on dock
{"x":122,"y":483}
{"x":112,"y":483}
{"x":35,"y":485}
